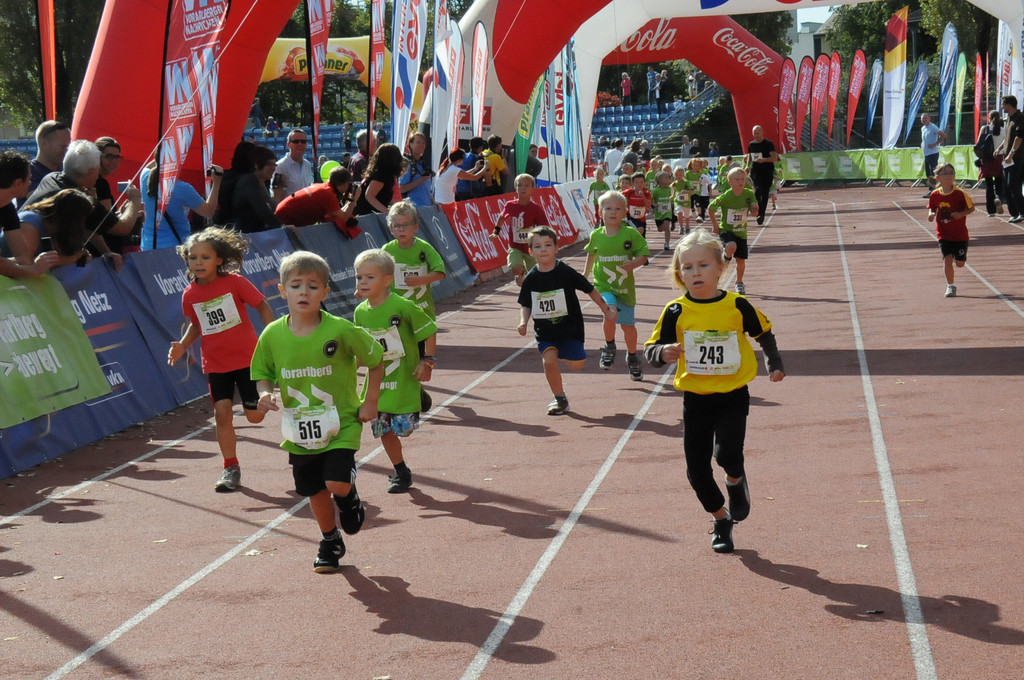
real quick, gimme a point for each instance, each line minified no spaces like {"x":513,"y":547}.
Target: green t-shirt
{"x":398,"y":325}
{"x":683,"y":189}
{"x":650,"y":177}
{"x":734,"y":210}
{"x":419,"y":259}
{"x":597,"y":189}
{"x":661,"y":203}
{"x":317,"y":377}
{"x":612,"y":251}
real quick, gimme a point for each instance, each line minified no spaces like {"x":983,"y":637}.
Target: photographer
{"x":174,"y":225}
{"x":452,"y":172}
{"x":415,"y":182}
{"x":334,"y":201}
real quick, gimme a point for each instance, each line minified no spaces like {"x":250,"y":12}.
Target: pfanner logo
{"x":661,"y":37}
{"x":748,"y":56}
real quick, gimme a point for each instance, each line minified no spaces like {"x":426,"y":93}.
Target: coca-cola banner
{"x":819,"y":88}
{"x":835,"y":72}
{"x":726,"y":52}
{"x":803,"y":97}
{"x":787,"y":126}
{"x":858,"y":69}
{"x":481,"y":63}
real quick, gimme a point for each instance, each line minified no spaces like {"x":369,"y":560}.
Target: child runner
{"x":521,"y":215}
{"x":736,"y":204}
{"x":651,"y":176}
{"x":661,"y":198}
{"x":417,"y":266}
{"x":948,"y":207}
{"x":625,"y":184}
{"x":613,"y":252}
{"x":214,"y":304}
{"x":409,"y":338}
{"x":702,"y":187}
{"x":549,"y":296}
{"x":683,"y":192}
{"x":597,"y":188}
{"x":773,"y":193}
{"x":312,"y":354}
{"x":705,"y":332}
{"x":638,"y":203}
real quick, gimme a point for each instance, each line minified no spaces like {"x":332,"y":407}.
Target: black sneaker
{"x":739,"y":500}
{"x":351,"y":513}
{"x":425,"y":401}
{"x":721,"y":539}
{"x":399,"y":483}
{"x":559,"y":406}
{"x":329,"y":556}
{"x":633,"y":364}
{"x":607,"y":356}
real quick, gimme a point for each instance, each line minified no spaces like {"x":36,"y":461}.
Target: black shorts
{"x":639,"y":225}
{"x":664,"y":223}
{"x":222,"y":386}
{"x":312,"y":471}
{"x":958,"y":249}
{"x":741,"y":244}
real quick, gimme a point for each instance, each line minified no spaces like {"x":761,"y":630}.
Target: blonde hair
{"x":736,"y":170}
{"x":304,"y":262}
{"x":378,"y":258}
{"x":699,"y":238}
{"x":402,"y":209}
{"x":609,"y":196}
{"x":525,"y":177}
{"x":229,"y":245}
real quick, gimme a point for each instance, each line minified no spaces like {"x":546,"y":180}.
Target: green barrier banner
{"x":880,"y":164}
{"x":46,"y":360}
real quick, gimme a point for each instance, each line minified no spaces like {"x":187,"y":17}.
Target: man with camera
{"x":333,"y":201}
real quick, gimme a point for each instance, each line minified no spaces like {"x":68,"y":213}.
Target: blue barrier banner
{"x":261,"y":265}
{"x":435,"y":230}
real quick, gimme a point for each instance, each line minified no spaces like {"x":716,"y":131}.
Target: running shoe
{"x":633,"y":364}
{"x":398,"y":483}
{"x":329,"y":556}
{"x":740,"y":288}
{"x":350,"y":513}
{"x":950,"y":290}
{"x":607,"y":357}
{"x":229,"y":479}
{"x":739,"y":500}
{"x":721,"y":539}
{"x":558,"y":407}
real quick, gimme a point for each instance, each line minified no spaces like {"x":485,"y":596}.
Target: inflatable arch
{"x":120,"y":96}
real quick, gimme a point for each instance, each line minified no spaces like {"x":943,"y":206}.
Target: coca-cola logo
{"x":749,"y":56}
{"x":658,"y":37}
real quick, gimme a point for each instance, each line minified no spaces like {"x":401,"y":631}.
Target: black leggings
{"x":700,"y":203}
{"x":714,"y":425}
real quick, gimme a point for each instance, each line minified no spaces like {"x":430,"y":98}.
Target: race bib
{"x":311,"y":427}
{"x":711,"y":352}
{"x":735,"y":217}
{"x":637,"y":211}
{"x":390,"y":341}
{"x":404,"y":271}
{"x":664,"y":207}
{"x":217,"y":315}
{"x":549,"y":305}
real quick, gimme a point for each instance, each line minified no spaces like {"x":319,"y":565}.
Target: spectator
{"x":110,"y":161}
{"x":931,"y":139}
{"x":382,"y":135}
{"x":293,"y":166}
{"x":466,"y":189}
{"x":533,"y":164}
{"x":712,"y":149}
{"x":252,"y":201}
{"x":57,"y":223}
{"x":452,"y":171}
{"x":632,"y":157}
{"x":499,"y":171}
{"x":14,"y":179}
{"x":52,"y":141}
{"x":81,"y":170}
{"x":174,"y":227}
{"x":627,"y":89}
{"x":255,"y":114}
{"x":357,"y":166}
{"x":652,"y":84}
{"x":272,"y":128}
{"x":378,"y":186}
{"x":992,"y":168}
{"x":323,"y":203}
{"x":645,"y":152}
{"x":612,"y":157}
{"x":415,"y":183}
{"x":317,"y":176}
{"x":1013,"y":158}
{"x":241,"y":164}
{"x":348,"y":134}
{"x":695,"y":149}
{"x":684,"y":148}
{"x":660,"y":87}
{"x":677,"y":104}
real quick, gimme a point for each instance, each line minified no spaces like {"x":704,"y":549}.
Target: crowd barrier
{"x":871,"y":164}
{"x":83,"y":351}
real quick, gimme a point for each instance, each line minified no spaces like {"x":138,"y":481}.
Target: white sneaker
{"x":229,"y":480}
{"x":950,"y":290}
{"x":740,"y":288}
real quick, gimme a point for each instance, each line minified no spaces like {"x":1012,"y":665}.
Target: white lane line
{"x":494,"y":640}
{"x":1010,"y":303}
{"x":920,"y":647}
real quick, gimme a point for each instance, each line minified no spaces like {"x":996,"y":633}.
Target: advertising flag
{"x":803,"y":97}
{"x":376,"y":62}
{"x":318,"y":30}
{"x":873,"y":89}
{"x":857,"y":72}
{"x":457,"y":66}
{"x":947,"y":73}
{"x":408,"y":33}
{"x":481,"y":63}
{"x":441,"y":90}
{"x":787,"y":127}
{"x":895,"y":79}
{"x":1004,"y":59}
{"x":977,"y":94}
{"x":527,"y":125}
{"x":190,"y":58}
{"x":835,"y":73}
{"x":819,"y":89}
{"x":961,"y":79}
{"x":916,"y":95}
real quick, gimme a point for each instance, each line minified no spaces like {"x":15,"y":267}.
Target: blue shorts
{"x":627,"y":314}
{"x":568,"y":349}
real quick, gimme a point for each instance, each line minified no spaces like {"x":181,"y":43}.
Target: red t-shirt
{"x":218,"y":310}
{"x":636,"y":203}
{"x":519,"y":219}
{"x":308,"y":206}
{"x":947,"y":228}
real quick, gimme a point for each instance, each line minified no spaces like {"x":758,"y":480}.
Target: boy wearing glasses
{"x":295,"y":170}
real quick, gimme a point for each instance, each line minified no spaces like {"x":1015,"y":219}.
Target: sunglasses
{"x":299,"y":141}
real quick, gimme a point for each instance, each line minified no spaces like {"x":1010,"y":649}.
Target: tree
{"x":862,"y":27}
{"x":771,"y":28}
{"x":974,"y":26}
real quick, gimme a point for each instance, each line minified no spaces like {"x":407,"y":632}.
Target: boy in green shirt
{"x":661,"y":205}
{"x":736,"y":205}
{"x":409,"y":338}
{"x":597,"y":189}
{"x":682,"y":190}
{"x":312,"y":356}
{"x":613,"y":252}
